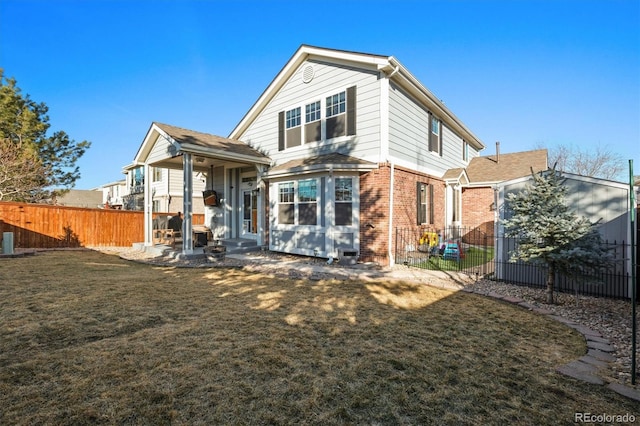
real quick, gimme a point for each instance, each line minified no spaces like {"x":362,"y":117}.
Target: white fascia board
{"x":218,"y":153}
{"x":407,"y":80}
{"x":149,"y":141}
{"x":481,"y":185}
{"x":318,"y":169}
{"x":302,"y":54}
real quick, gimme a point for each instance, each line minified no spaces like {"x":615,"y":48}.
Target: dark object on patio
{"x":215,"y":253}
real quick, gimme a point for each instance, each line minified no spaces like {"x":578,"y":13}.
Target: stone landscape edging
{"x":586,"y":368}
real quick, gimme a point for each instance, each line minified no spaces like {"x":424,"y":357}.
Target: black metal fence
{"x":473,"y":252}
{"x":614,"y":282}
{"x":461,"y":249}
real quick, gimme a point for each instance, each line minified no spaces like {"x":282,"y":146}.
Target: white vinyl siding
{"x":334,"y":200}
{"x":408,"y":137}
{"x":328,"y":80}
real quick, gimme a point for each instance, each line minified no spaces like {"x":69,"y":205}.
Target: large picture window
{"x":344,"y":201}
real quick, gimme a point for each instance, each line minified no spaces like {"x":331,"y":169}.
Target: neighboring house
{"x":596,"y":199}
{"x":479,"y":182}
{"x":87,"y":198}
{"x":166,"y":189}
{"x":340,"y":150}
{"x":113,"y":194}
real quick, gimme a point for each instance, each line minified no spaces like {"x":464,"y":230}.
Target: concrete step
{"x":240,"y":245}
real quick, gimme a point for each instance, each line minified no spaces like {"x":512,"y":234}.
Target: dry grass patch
{"x":89,"y":338}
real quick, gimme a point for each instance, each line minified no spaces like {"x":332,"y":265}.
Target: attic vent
{"x":307,"y":74}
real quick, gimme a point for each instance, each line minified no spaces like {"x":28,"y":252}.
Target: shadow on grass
{"x":90,"y":338}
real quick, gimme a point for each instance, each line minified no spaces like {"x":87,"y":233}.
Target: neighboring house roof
{"x":386,"y":64}
{"x":334,"y":162}
{"x":80,"y":198}
{"x":491,"y":169}
{"x":179,"y":140}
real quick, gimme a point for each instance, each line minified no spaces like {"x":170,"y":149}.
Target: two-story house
{"x":166,"y":187}
{"x":338,"y":151}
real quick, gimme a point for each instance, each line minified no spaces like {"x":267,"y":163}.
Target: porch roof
{"x":164,"y":145}
{"x":320,"y":163}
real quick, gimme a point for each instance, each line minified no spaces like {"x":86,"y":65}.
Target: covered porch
{"x":235,"y":193}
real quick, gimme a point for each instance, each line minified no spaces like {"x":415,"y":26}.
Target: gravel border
{"x":610,"y":317}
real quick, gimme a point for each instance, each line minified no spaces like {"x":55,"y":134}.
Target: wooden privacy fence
{"x":45,"y":226}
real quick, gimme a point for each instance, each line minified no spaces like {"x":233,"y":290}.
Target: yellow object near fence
{"x":429,"y":238}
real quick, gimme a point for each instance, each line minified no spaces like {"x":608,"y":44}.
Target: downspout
{"x":390,"y":238}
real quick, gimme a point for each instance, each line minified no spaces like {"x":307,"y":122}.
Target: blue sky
{"x":525,"y":73}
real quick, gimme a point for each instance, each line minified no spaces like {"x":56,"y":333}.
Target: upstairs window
{"x":294,"y":132}
{"x":435,"y":134}
{"x":465,"y":151}
{"x":338,"y":112}
{"x":336,"y":104}
{"x":336,"y":120}
{"x":312,"y":112}
{"x":313,"y":125}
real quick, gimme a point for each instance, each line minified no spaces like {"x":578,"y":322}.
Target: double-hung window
{"x":424,"y":197}
{"x":294,"y":130}
{"x":434,"y":134}
{"x":298,"y":202}
{"x":344,"y":201}
{"x":313,"y":125}
{"x":286,"y":203}
{"x":307,"y":202}
{"x":336,"y":106}
{"x":330,"y":117}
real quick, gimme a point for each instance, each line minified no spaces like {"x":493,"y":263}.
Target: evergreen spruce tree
{"x":33,"y":165}
{"x":549,"y":233}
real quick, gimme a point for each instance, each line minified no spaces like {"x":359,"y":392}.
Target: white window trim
{"x":296,"y":204}
{"x":323,"y":119}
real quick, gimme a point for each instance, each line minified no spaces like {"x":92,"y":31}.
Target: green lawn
{"x":473,"y":257}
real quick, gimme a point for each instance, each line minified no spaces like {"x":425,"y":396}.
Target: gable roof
{"x":385,"y":64}
{"x":179,"y":140}
{"x":497,"y":168}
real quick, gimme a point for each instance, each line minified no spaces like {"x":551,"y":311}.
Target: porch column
{"x":187,"y":223}
{"x":148,"y":207}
